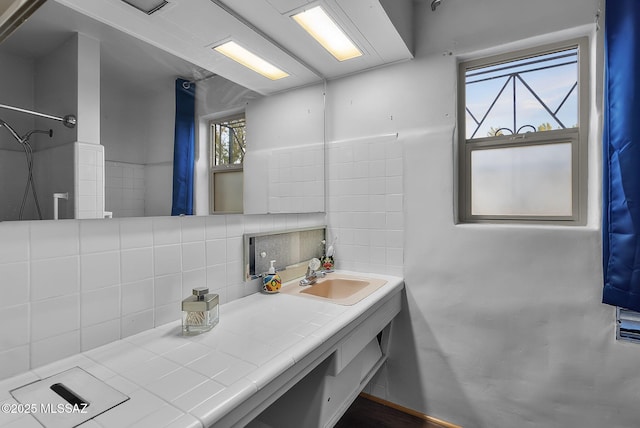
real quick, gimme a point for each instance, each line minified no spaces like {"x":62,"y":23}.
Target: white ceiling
{"x":177,"y":39}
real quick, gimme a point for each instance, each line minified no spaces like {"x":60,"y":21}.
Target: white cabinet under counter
{"x":269,"y":355}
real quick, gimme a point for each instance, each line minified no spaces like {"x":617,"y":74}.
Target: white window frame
{"x":578,"y":137}
{"x":220,"y":169}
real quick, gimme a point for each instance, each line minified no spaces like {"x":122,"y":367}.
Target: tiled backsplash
{"x":365,"y":203}
{"x":72,"y":285}
{"x":124,"y":189}
{"x":296,"y":178}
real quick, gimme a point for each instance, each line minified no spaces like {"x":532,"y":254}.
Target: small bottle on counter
{"x":200,"y":312}
{"x":271,"y":281}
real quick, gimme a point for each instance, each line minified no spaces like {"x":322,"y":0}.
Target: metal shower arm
{"x":69,"y":120}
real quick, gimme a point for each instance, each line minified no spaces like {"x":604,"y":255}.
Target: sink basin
{"x":337,"y":288}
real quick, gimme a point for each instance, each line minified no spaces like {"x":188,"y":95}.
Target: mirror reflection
{"x":118,"y":161}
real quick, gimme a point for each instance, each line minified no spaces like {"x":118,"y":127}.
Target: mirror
{"x":118,"y":160}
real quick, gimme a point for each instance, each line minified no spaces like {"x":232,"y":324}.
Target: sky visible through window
{"x":537,"y":93}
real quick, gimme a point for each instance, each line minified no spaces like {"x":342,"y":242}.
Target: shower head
{"x":37,"y":131}
{"x":435,"y":4}
{"x":11,"y":131}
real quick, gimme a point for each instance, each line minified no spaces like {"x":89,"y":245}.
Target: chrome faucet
{"x":312,"y":274}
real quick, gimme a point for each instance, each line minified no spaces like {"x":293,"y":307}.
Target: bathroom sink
{"x":337,"y":288}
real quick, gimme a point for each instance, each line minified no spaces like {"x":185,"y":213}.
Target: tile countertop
{"x":183,"y":382}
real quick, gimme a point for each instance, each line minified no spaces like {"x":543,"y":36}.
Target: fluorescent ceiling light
{"x":250,"y":60}
{"x":316,"y":22}
{"x":146,"y":6}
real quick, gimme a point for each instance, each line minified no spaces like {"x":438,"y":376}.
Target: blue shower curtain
{"x":184,"y":148}
{"x":621,"y":155}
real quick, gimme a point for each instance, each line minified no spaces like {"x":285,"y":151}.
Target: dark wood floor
{"x":365,"y":413}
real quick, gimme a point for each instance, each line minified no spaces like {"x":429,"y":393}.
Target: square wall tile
{"x":217,"y":277}
{"x":54,"y":277}
{"x":99,"y":236}
{"x":235,"y":273}
{"x":167,"y":289}
{"x":193,"y":279}
{"x":216,"y":251}
{"x":166,"y":230}
{"x":55,"y":348}
{"x":14,"y":286}
{"x":235,"y":225}
{"x":53,"y":317}
{"x":17,"y":317}
{"x":234,"y":249}
{"x":99,"y":270}
{"x":167,"y":313}
{"x":193,"y":228}
{"x":99,"y":306}
{"x":136,"y":323}
{"x":136,"y":296}
{"x":14,"y":362}
{"x":193,"y":255}
{"x":54,"y":239}
{"x":136,"y":233}
{"x":15,"y":242}
{"x":167,"y":259}
{"x":216,"y":227}
{"x":136,"y":264}
{"x":100,"y":334}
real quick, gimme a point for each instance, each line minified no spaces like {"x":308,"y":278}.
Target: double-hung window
{"x":228,"y":145}
{"x":523,"y":136}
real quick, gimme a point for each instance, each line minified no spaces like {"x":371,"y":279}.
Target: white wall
{"x":56,"y":91}
{"x":286,"y":128}
{"x":503,"y":325}
{"x":17,"y":89}
{"x":137,"y":128}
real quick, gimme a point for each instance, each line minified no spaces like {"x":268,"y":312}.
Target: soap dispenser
{"x":271,"y":281}
{"x":200,"y":312}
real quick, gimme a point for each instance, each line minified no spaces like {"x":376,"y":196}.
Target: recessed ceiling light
{"x":250,"y":60}
{"x":316,"y":22}
{"x":146,"y":6}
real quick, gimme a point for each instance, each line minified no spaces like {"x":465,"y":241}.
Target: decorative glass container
{"x":200,"y":312}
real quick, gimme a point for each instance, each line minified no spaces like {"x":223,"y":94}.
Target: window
{"x":628,"y":325}
{"x":523,"y":136}
{"x":228,"y":145}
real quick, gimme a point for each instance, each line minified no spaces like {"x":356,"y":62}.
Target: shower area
{"x":25,"y":142}
{"x":49,"y":166}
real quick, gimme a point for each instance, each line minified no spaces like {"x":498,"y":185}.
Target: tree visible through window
{"x":229,"y":141}
{"x":228,"y":146}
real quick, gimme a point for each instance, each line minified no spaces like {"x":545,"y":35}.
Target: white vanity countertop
{"x":182,"y":382}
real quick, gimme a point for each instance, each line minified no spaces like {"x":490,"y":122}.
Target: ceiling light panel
{"x":146,"y":6}
{"x":321,"y":27}
{"x":250,"y":60}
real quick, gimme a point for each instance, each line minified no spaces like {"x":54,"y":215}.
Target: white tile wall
{"x":365,"y":203}
{"x":73,"y":285}
{"x":89,"y":180}
{"x":125,"y":189}
{"x":296,"y":178}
